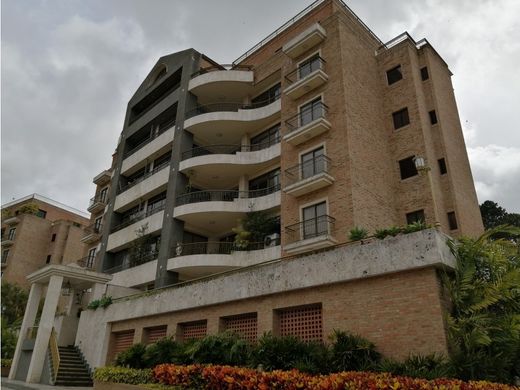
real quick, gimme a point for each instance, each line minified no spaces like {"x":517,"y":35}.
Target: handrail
{"x":227,"y":149}
{"x":155,"y":132}
{"x":223,"y":195}
{"x":138,"y":216}
{"x":228,"y":107}
{"x":214,"y":248}
{"x":55,"y":355}
{"x":95,"y":228}
{"x":100,"y":198}
{"x":309,"y":68}
{"x":143,"y":259}
{"x":319,"y":164}
{"x":220,"y":67}
{"x":295,"y":121}
{"x":310,"y":228}
{"x":138,"y":180}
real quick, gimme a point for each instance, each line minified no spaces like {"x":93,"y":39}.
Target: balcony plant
{"x":357,"y":234}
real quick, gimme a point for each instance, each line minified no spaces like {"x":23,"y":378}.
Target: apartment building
{"x":37,"y":231}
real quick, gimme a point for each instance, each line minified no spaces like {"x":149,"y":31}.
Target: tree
{"x":14,"y":300}
{"x":493,"y":215}
{"x":484,"y":321}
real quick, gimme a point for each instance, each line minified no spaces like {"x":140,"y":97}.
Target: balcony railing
{"x":228,"y":107}
{"x":306,"y":69}
{"x":308,"y":169}
{"x":306,"y":116}
{"x":154,"y":133}
{"x":88,"y":262}
{"x":138,"y":180}
{"x":101,"y":198}
{"x":223,"y":195}
{"x":227,"y":149}
{"x":127,"y":221}
{"x":310,"y":228}
{"x":220,"y":67}
{"x":134,"y":262}
{"x":214,"y":248}
{"x":96,"y":228}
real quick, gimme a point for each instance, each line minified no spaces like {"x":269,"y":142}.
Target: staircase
{"x":72,"y":370}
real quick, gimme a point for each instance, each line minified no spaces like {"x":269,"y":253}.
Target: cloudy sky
{"x":69,"y":68}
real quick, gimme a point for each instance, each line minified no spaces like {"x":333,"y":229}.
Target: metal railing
{"x":307,"y":115}
{"x":87,"y":262}
{"x":214,"y":248}
{"x":227,"y":149}
{"x":220,"y":67}
{"x":155,"y":132}
{"x":55,"y":355}
{"x":228,"y":107}
{"x":310,"y":228}
{"x":95,"y":228}
{"x":138,"y":180}
{"x":98,"y":199}
{"x":223,"y":195}
{"x":133,"y":262}
{"x":296,"y":173}
{"x":305,"y":70}
{"x":127,"y":221}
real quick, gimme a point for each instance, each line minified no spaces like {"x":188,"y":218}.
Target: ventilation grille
{"x":194,"y":330}
{"x":123,"y":341}
{"x":303,"y":322}
{"x":155,"y":334}
{"x":245,"y":325}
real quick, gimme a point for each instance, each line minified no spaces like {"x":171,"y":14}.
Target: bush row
{"x":359,"y":233}
{"x":130,"y":376}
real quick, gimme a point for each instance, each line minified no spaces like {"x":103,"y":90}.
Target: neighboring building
{"x":37,"y":231}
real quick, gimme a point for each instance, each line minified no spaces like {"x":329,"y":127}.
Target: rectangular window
{"x":5,"y":255}
{"x":53,"y":237}
{"x":268,"y":96}
{"x":11,"y":234}
{"x":424,"y":74}
{"x":442,"y":166}
{"x":156,"y":203}
{"x":308,"y":66}
{"x":415,"y":216}
{"x":315,"y":221}
{"x":433,"y":117}
{"x":452,"y":220}
{"x":269,"y":180}
{"x":266,"y":138}
{"x":103,"y":194}
{"x":245,"y":325}
{"x":401,"y":118}
{"x":41,"y":213}
{"x":407,"y":167}
{"x":305,"y":322}
{"x":162,"y":161}
{"x":394,"y":75}
{"x":313,"y":163}
{"x":97,"y":225}
{"x":91,"y":258}
{"x":311,"y":111}
{"x":48,"y":260}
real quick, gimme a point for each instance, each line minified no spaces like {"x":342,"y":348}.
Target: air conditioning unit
{"x":272,"y":240}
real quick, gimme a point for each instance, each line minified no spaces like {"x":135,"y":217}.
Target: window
{"x":268,"y":96}
{"x":394,"y":75}
{"x":305,"y":322}
{"x":433,"y":117}
{"x":407,"y":167}
{"x":311,"y":111}
{"x":48,"y":260}
{"x":156,"y":203}
{"x":97,"y":225}
{"x":103,"y":194}
{"x":424,"y":74}
{"x":452,"y":220}
{"x":162,"y":161}
{"x":308,"y":66}
{"x":315,"y":220}
{"x":41,"y":213}
{"x":313,"y":163}
{"x":266,"y":138}
{"x":91,"y":258}
{"x":442,"y":166}
{"x":401,"y":118}
{"x":415,"y":216}
{"x":265,"y":181}
{"x":53,"y":237}
{"x":5,"y":255}
{"x":11,"y":234}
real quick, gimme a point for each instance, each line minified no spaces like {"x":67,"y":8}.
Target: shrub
{"x":352,"y":352}
{"x":93,"y":305}
{"x":105,"y":302}
{"x":414,"y":227}
{"x":29,"y":208}
{"x":133,"y":357}
{"x":165,"y":350}
{"x":357,"y":234}
{"x":277,"y":353}
{"x":129,"y":376}
{"x":224,"y":348}
{"x":315,"y":360}
{"x":418,"y":366}
{"x":7,"y":362}
{"x":385,"y":232}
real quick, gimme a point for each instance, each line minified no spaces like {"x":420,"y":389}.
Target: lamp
{"x":66,"y":289}
{"x":420,"y":163}
{"x":423,"y":169}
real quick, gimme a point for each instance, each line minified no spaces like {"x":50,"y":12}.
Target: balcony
{"x":103,"y":178}
{"x":193,"y":260}
{"x":11,"y":221}
{"x":93,"y":233}
{"x":7,"y":241}
{"x":307,"y":124}
{"x":309,"y":176}
{"x":210,"y":82}
{"x":227,"y":122}
{"x":306,"y":78}
{"x":97,"y":203}
{"x":155,"y":145}
{"x":312,"y":234}
{"x":305,"y":41}
{"x":149,"y":184}
{"x":87,"y":262}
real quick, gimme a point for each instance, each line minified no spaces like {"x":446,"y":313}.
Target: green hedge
{"x":130,"y":376}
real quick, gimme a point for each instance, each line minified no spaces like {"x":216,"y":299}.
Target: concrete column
{"x":44,"y":329}
{"x":97,"y":291}
{"x":31,"y":309}
{"x":243,"y":185}
{"x":245,"y":142}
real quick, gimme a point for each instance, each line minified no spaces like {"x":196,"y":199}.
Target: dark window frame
{"x":53,"y":237}
{"x":424,"y":73}
{"x":443,"y":169}
{"x":401,"y":118}
{"x":452,"y":220}
{"x":433,"y":117}
{"x":407,"y":168}
{"x":415,"y":216}
{"x":11,"y":234}
{"x":394,"y":75}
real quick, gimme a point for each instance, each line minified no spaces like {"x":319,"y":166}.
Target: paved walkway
{"x":8,"y":384}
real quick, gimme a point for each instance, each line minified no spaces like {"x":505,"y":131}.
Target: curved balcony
{"x":193,"y":260}
{"x":217,"y":211}
{"x":228,"y":122}
{"x":136,"y":272}
{"x":209,"y":83}
{"x":207,"y":163}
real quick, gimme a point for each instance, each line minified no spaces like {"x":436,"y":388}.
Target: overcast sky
{"x":69,"y":68}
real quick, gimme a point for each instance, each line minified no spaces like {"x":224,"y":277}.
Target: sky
{"x":68,"y":69}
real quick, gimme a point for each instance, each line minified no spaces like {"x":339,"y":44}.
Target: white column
{"x":246,"y":143}
{"x":31,"y":309}
{"x":44,"y":329}
{"x":243,"y":185}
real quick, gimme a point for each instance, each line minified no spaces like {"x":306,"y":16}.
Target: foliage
{"x":9,"y":339}
{"x":133,"y":357}
{"x":231,"y":378}
{"x":29,"y":208}
{"x":357,"y":234}
{"x":224,"y":348}
{"x":129,"y":376}
{"x":414,"y":227}
{"x":7,"y":362}
{"x":417,"y":366}
{"x":260,"y":224}
{"x":352,"y":352}
{"x":6,"y":214}
{"x":493,"y":215}
{"x":94,"y":304}
{"x":241,"y":236}
{"x":484,"y":322}
{"x":14,"y":300}
{"x":165,"y":350}
{"x":104,"y":302}
{"x":391,"y":231}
